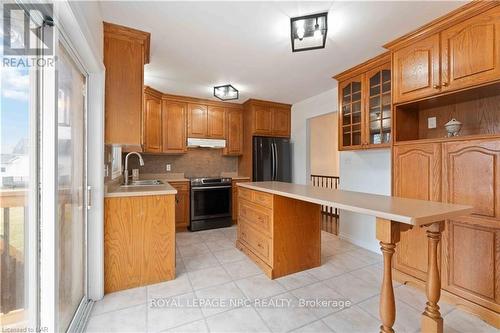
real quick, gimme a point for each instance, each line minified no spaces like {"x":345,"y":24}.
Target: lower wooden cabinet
{"x":234,"y":197}
{"x":181,"y":204}
{"x":461,"y":172}
{"x":139,"y":241}
{"x":272,"y":232}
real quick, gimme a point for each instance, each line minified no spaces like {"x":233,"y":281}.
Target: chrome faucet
{"x":125,"y":171}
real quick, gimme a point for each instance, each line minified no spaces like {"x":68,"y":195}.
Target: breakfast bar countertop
{"x":408,"y":211}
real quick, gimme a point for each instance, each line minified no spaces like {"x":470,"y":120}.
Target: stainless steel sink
{"x":145,"y":182}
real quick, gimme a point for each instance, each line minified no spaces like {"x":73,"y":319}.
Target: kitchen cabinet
{"x":216,"y":122}
{"x":416,"y":70}
{"x":461,"y":50}
{"x":197,"y":126}
{"x":470,"y":51}
{"x":174,"y":127}
{"x":234,"y":132}
{"x":365,"y":104}
{"x":234,"y":197}
{"x":262,"y":120}
{"x":139,"y":241}
{"x":152,"y":123}
{"x":182,"y":200}
{"x":472,"y":243}
{"x":280,"y":122}
{"x":416,"y":175}
{"x":124,"y":83}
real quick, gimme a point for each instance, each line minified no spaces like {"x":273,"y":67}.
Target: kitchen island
{"x":279,"y":228}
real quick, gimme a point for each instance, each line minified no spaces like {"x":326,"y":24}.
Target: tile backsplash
{"x":196,"y":162}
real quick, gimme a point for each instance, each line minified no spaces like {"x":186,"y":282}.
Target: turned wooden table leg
{"x":388,"y":238}
{"x":431,"y":317}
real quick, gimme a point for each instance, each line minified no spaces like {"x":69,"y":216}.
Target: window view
{"x":15,"y":180}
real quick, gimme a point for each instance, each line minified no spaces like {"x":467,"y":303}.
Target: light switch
{"x":431,"y":122}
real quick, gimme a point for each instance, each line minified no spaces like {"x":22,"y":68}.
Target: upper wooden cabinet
{"x":234,"y":132}
{"x":216,"y":122}
{"x":365,"y":105}
{"x":268,"y":118}
{"x":470,"y":51}
{"x":458,"y":51}
{"x":124,"y":83}
{"x":174,"y":127}
{"x":280,"y":121}
{"x":416,"y":70}
{"x":263,"y":120}
{"x":197,"y":125}
{"x":152,"y":118}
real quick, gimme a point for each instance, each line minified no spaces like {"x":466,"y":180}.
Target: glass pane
{"x":374,"y":101}
{"x":375,"y":138}
{"x":356,"y":117}
{"x":386,"y":75}
{"x":386,"y":124}
{"x":346,"y":139}
{"x":346,"y":109}
{"x":375,"y":114}
{"x":347,"y":99}
{"x":374,"y":90}
{"x":374,"y":126}
{"x":356,"y":87}
{"x":18,"y":193}
{"x":347,"y":90}
{"x":375,"y":79}
{"x":356,"y":139}
{"x":386,"y":99}
{"x":356,"y":97}
{"x":386,"y":87}
{"x":356,"y":107}
{"x":386,"y":137}
{"x":346,"y":120}
{"x":70,"y":186}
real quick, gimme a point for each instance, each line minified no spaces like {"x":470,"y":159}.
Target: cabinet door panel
{"x":216,"y":122}
{"x":181,"y":204}
{"x":262,"y":120}
{"x":174,"y":127}
{"x":416,"y":70}
{"x":471,"y":176}
{"x":352,"y":108}
{"x":197,"y":121}
{"x":417,"y":175}
{"x":152,"y":124}
{"x":472,"y":268}
{"x":377,"y":128}
{"x":280,"y":122}
{"x":234,"y":131}
{"x":463,"y":65}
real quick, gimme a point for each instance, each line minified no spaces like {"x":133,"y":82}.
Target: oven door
{"x":210,"y":202}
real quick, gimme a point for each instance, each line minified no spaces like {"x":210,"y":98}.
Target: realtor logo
{"x":28,"y":29}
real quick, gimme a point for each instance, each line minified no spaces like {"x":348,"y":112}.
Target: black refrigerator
{"x":271,"y":159}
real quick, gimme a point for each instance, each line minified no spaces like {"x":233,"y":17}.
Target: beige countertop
{"x":234,"y":176}
{"x":408,"y":211}
{"x":115,"y":190}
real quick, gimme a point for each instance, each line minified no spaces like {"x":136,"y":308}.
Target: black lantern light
{"x":308,"y":32}
{"x":226,"y":92}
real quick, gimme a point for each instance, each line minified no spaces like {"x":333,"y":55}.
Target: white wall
{"x":323,"y":103}
{"x":363,"y":171}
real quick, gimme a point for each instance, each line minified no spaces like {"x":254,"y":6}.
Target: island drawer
{"x":259,"y":244}
{"x":260,"y":198}
{"x":260,"y":218}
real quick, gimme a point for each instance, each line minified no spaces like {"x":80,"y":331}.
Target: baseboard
{"x":364,"y":245}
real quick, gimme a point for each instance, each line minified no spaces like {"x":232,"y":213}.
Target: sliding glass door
{"x":71,"y":189}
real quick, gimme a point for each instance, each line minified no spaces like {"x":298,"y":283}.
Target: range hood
{"x":206,"y":143}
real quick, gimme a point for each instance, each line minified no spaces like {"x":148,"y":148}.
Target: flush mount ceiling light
{"x":226,"y":92}
{"x":308,"y":32}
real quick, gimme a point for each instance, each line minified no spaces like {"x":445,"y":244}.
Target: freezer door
{"x":263,"y":161}
{"x":283,"y":160}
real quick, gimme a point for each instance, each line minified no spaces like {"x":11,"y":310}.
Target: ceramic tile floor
{"x":242,"y":299}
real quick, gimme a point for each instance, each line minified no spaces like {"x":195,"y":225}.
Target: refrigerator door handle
{"x":276,"y":161}
{"x":273,"y":161}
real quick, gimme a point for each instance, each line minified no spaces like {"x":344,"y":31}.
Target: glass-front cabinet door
{"x":351,"y":133}
{"x":378,"y":115}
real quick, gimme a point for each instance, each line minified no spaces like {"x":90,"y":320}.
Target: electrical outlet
{"x":431,"y":122}
{"x":169,"y":167}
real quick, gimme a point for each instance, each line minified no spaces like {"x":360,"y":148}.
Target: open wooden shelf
{"x":477,"y":109}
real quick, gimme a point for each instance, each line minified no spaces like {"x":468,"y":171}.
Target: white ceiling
{"x":197,"y":45}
